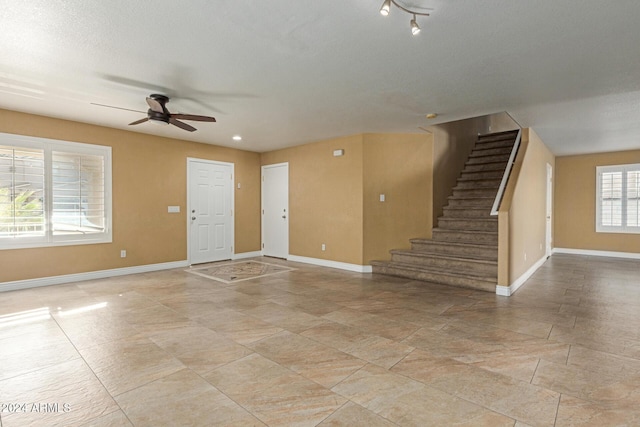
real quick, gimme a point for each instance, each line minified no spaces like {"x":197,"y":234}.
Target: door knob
{"x":193,"y":218}
{"x":284,"y":216}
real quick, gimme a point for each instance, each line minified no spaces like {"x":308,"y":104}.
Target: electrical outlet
{"x":324,"y":247}
{"x":123,"y":253}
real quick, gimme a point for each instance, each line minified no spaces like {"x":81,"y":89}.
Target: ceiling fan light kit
{"x":385,"y":10}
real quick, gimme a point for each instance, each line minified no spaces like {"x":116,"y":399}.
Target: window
{"x":53,"y":192}
{"x":618,"y":199}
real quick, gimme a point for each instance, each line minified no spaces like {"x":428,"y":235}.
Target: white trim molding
{"x":332,"y":264}
{"x":507,"y":291}
{"x":244,"y":255}
{"x":611,"y":254}
{"x":91,"y":275}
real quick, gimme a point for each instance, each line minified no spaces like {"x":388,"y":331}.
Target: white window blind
{"x":53,"y":192}
{"x":618,"y":199}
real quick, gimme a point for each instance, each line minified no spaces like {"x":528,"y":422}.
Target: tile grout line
{"x":93,"y":373}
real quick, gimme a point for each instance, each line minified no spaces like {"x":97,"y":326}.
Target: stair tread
{"x":477,"y":260}
{"x":474,"y":245}
{"x":465,"y":231}
{"x":434,"y":270}
{"x":448,"y":218}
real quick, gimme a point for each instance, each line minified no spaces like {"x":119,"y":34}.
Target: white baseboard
{"x":611,"y":254}
{"x":331,"y":264}
{"x":507,"y":291}
{"x":91,"y":275}
{"x":244,"y":255}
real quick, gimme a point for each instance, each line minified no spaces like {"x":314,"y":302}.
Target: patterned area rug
{"x":238,"y":271}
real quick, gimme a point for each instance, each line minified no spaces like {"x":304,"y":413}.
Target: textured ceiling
{"x":288,"y":72}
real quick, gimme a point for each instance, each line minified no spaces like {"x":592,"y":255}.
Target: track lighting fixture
{"x":415,"y":28}
{"x":386,"y":9}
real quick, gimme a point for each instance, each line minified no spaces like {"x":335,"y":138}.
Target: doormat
{"x":238,"y":271}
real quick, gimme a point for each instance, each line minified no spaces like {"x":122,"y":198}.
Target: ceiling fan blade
{"x":118,"y":108}
{"x":137,"y":122}
{"x":193,"y":117}
{"x":155,"y":105}
{"x":181,"y":125}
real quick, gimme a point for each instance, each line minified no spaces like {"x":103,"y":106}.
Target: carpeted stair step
{"x":435,"y":275}
{"x":475,"y":267}
{"x":474,"y":192}
{"x":464,"y":182}
{"x":486,"y":174}
{"x":496,"y":158}
{"x":462,"y":250}
{"x":481,"y":167}
{"x":465,"y":236}
{"x":470,"y":224}
{"x":483,"y":152}
{"x":501,"y":143}
{"x":466,"y":212}
{"x":498,"y":136}
{"x":470,"y":201}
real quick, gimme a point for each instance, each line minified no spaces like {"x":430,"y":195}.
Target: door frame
{"x":549,"y":212}
{"x":190,"y":161}
{"x":262,"y":169}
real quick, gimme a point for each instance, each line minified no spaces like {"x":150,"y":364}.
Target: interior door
{"x":275,"y":210}
{"x":210,"y":209}
{"x":549,"y":212}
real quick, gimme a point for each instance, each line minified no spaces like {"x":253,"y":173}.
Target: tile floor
{"x":324,"y":347}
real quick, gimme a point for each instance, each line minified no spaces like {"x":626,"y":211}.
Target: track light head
{"x":386,"y":8}
{"x":415,"y":28}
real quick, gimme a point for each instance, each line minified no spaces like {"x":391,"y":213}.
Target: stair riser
{"x":474,"y":203}
{"x":484,"y":183}
{"x":485,"y":151}
{"x":437,"y":278}
{"x":496,"y":174}
{"x":443,"y":248}
{"x":481,"y":167}
{"x":467,"y":224}
{"x":508,"y":136}
{"x":507,"y":143}
{"x":475,"y":238}
{"x":453,"y":265}
{"x":475,"y":192}
{"x":488,"y":159}
{"x":467,"y":213}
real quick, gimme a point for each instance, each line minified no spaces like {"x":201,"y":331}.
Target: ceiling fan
{"x":158,"y":113}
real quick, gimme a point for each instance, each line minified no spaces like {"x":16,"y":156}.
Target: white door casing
{"x":275,"y":210}
{"x":549,"y":210}
{"x":210,"y":210}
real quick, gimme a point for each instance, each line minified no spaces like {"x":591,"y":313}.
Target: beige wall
{"x":452,"y":144}
{"x":149,"y":174}
{"x":524,"y":208}
{"x":325,"y":198}
{"x":400,"y":167}
{"x":575,"y":203}
{"x":335,"y":200}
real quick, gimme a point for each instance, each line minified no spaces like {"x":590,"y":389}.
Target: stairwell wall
{"x":452,"y":144}
{"x":522,"y":214}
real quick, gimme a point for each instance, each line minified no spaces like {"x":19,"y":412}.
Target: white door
{"x":275,"y":210}
{"x":549,"y":208}
{"x":210,"y":209}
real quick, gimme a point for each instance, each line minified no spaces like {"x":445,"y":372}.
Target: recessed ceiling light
{"x":432,"y":116}
{"x":237,"y":138}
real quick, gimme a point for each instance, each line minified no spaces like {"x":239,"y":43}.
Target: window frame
{"x":49,"y":146}
{"x":624,"y":228}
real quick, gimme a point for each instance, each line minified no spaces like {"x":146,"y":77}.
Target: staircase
{"x":463,"y":250}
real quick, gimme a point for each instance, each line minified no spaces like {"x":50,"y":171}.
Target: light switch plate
{"x":173,"y":209}
{"x":382,"y":197}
